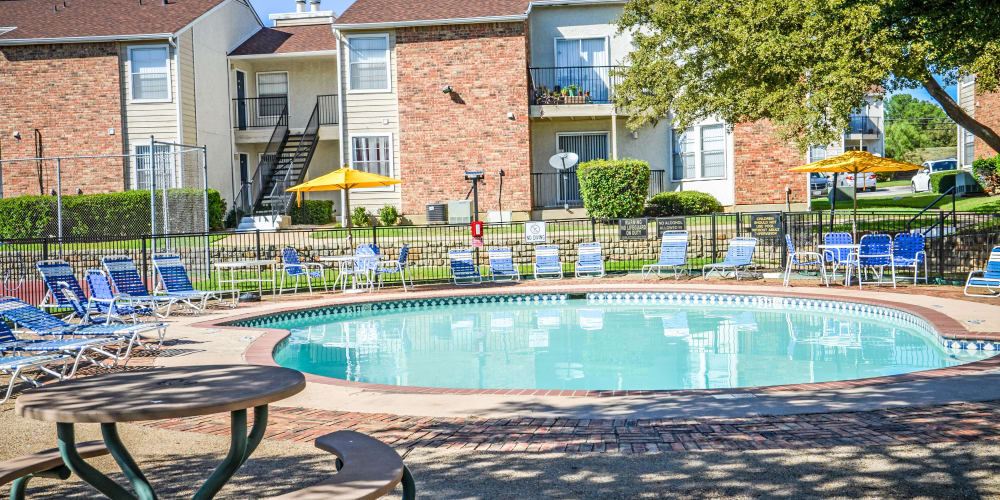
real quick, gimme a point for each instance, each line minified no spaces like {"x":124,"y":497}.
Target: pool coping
{"x":261,"y":350}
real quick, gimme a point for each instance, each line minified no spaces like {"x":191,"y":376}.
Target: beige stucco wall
{"x":580,"y":21}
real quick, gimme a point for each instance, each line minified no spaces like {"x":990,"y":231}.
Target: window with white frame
{"x":817,"y":153}
{"x":142,"y":172}
{"x":684,"y":153}
{"x":149,"y":73}
{"x":713,"y":151}
{"x":368,"y":63}
{"x":272,"y":93}
{"x":372,"y":153}
{"x":969,"y":147}
{"x":587,"y":145}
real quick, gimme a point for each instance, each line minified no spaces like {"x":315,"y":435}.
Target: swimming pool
{"x":612,"y":341}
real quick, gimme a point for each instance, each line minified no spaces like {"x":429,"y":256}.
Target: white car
{"x":922,"y":181}
{"x":866,"y":181}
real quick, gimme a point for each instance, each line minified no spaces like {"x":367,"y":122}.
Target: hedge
{"x":943,"y":181}
{"x":682,"y":203}
{"x":314,"y":212}
{"x":987,"y":172}
{"x":109,"y":214}
{"x":613,"y":189}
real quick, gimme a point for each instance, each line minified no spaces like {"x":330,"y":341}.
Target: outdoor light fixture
{"x":447,"y":89}
{"x":17,"y":135}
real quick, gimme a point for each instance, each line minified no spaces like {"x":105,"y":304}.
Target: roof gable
{"x":289,"y":39}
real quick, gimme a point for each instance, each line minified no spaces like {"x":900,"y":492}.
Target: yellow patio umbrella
{"x":856,"y":162}
{"x":344,"y":179}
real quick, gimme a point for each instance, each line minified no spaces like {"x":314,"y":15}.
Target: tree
{"x":803,"y":64}
{"x":913,"y":123}
{"x":902,"y":138}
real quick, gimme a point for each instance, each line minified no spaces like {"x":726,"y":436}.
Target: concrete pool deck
{"x":199,"y":341}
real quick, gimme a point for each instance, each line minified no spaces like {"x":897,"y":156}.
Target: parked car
{"x":818,"y":185}
{"x":922,"y":181}
{"x":866,"y":181}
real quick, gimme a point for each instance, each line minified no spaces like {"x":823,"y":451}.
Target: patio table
{"x":159,"y":394}
{"x":853,"y":247}
{"x":344,"y":262}
{"x":233,"y":280}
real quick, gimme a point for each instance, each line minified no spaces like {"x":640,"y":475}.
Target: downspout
{"x":340,"y":111}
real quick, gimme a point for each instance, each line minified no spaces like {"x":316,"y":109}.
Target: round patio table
{"x":157,"y":394}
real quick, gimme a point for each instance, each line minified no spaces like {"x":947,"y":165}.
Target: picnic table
{"x":158,"y":394}
{"x":233,"y":281}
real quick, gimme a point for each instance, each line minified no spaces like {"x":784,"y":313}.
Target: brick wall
{"x":761,"y":166}
{"x":442,"y":135}
{"x":71,"y":94}
{"x":987,"y":113}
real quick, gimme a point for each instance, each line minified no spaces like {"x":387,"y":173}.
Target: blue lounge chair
{"x":393,"y":267}
{"x":908,"y":251}
{"x":174,"y":281}
{"x":463,"y":268}
{"x":988,"y":278}
{"x":103,"y":301}
{"x":739,"y":256}
{"x":60,"y":282}
{"x":73,"y":351}
{"x":293,"y":267}
{"x":44,"y":324}
{"x":673,"y":255}
{"x":837,"y":256}
{"x":798,"y":258}
{"x":874,"y":254}
{"x":547,"y":263}
{"x":589,"y":260}
{"x":502,"y":265}
{"x":17,"y":366}
{"x":126,"y":280}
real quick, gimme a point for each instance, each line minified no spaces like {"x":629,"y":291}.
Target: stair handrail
{"x":265,"y":166}
{"x":304,"y":150}
{"x":952,"y":191}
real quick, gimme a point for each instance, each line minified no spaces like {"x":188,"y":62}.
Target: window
{"x":588,"y":146}
{"x":584,"y":63}
{"x":817,"y":153}
{"x":372,"y":154}
{"x":150,"y":73}
{"x":713,"y":151}
{"x":272,"y":93}
{"x":141,"y":176}
{"x":368,"y":67}
{"x":969,"y":150}
{"x":684,"y":146}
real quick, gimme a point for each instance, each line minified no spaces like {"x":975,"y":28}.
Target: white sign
{"x":534,"y":232}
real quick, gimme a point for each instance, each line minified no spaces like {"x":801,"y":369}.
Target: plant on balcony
{"x":613,"y":189}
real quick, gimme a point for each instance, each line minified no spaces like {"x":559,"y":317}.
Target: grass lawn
{"x":914,"y":202}
{"x":893,"y":183}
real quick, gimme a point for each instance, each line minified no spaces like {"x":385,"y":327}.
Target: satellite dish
{"x":564,"y":161}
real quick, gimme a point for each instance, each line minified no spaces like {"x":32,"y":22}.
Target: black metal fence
{"x":964,"y":247}
{"x":259,"y":112}
{"x":574,"y":85}
{"x":562,"y":189}
{"x":329,"y":109}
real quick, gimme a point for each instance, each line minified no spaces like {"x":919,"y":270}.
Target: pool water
{"x":576,"y":344}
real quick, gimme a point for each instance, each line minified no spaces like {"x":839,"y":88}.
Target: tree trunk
{"x":959,"y":115}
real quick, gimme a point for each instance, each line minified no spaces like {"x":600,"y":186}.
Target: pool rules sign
{"x":534,"y":232}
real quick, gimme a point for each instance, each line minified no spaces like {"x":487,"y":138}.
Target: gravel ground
{"x":178,"y":461}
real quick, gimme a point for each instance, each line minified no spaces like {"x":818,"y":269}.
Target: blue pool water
{"x":608,"y":343}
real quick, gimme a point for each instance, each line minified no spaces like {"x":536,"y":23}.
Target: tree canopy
{"x":913,"y":124}
{"x":806,"y":65}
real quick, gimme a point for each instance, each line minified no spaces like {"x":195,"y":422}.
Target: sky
{"x":265,"y":7}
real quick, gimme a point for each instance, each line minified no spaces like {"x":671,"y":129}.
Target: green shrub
{"x":613,"y":189}
{"x":314,"y":212}
{"x":987,"y":172}
{"x":884,"y":176}
{"x":361,"y":217}
{"x":388,"y":215}
{"x":943,"y":181}
{"x":682,"y":203}
{"x":27,"y":216}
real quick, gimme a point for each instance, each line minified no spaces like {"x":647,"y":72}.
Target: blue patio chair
{"x":739,"y":255}
{"x":126,"y":281}
{"x":502,"y":265}
{"x":589,"y":260}
{"x":103,"y":300}
{"x":837,"y":256}
{"x":463,"y":268}
{"x":673,"y":255}
{"x":17,"y":367}
{"x":797,"y":258}
{"x":60,"y":284}
{"x":395,"y":267}
{"x":364,"y":267}
{"x":874,"y":254}
{"x":988,"y":278}
{"x":293,"y":267}
{"x":908,"y":251}
{"x":174,"y":281}
{"x":547,"y":263}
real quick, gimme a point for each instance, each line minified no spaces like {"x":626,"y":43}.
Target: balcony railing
{"x":259,"y":112}
{"x":574,"y":85}
{"x":329,"y":109}
{"x":865,"y":125}
{"x":562,"y":189}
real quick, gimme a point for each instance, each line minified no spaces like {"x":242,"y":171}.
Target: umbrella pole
{"x":854,"y":225}
{"x":347,"y":218}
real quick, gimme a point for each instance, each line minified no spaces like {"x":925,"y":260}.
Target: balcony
{"x":258,"y":112}
{"x":255,"y":117}
{"x":584,"y":89}
{"x":562,"y":189}
{"x":864,"y":127}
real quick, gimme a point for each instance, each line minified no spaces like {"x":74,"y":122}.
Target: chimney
{"x":300,"y":5}
{"x":314,"y":5}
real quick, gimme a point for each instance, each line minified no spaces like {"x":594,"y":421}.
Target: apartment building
{"x":98,"y":78}
{"x":865,"y":133}
{"x":984,"y":107}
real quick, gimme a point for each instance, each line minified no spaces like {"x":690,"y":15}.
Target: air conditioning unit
{"x":437,"y":213}
{"x":459,"y":212}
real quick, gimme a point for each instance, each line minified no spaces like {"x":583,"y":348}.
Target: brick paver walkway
{"x":947,"y":423}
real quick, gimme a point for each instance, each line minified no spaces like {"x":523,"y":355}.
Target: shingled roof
{"x":288,"y":39}
{"x":418,"y":11}
{"x":42,"y":19}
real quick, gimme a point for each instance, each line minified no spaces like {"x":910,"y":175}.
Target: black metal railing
{"x":252,"y":191}
{"x":294,"y":170}
{"x":329,"y":109}
{"x":259,"y":112}
{"x":865,"y":125}
{"x":574,"y":85}
{"x":562,"y":189}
